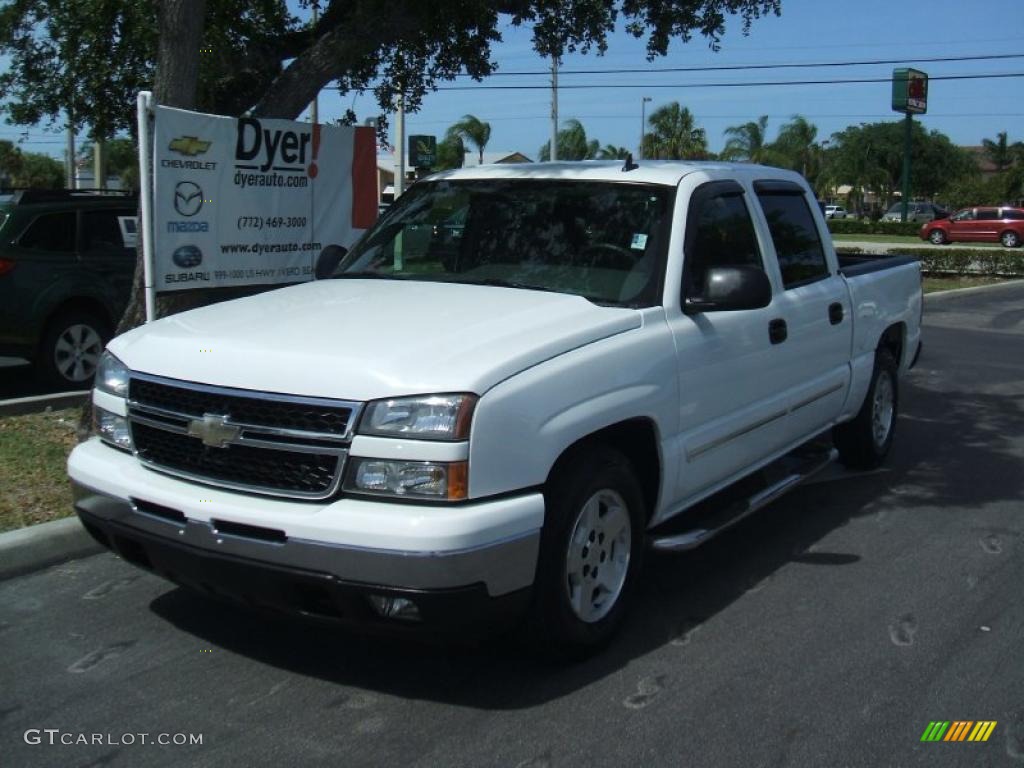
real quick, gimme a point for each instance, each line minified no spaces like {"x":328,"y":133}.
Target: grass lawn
{"x":33,"y":454}
{"x":903,"y":240}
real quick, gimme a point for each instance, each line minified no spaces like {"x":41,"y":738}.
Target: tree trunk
{"x":180,"y":29}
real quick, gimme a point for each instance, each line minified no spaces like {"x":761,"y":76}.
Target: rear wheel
{"x":937,"y":237}
{"x":71,"y":348}
{"x":1009,"y":239}
{"x":590,"y":554}
{"x":864,"y":442}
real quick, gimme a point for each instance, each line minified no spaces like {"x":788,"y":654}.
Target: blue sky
{"x":806,"y":32}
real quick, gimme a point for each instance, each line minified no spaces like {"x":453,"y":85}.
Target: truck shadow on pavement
{"x":943,"y":439}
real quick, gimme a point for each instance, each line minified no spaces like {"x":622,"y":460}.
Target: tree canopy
{"x":87,"y":59}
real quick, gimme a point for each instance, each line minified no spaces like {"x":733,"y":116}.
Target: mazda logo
{"x":188,"y":198}
{"x":214,"y":430}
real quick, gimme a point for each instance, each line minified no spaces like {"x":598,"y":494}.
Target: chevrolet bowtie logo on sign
{"x":958,"y":730}
{"x":214,"y":430}
{"x":189,"y":146}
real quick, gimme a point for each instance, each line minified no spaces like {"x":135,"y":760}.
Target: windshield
{"x":600,"y":240}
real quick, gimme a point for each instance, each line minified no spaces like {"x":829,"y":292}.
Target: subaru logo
{"x":188,"y":198}
{"x":187,"y":256}
{"x":214,"y":430}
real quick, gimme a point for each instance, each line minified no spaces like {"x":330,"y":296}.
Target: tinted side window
{"x":1013,"y":215}
{"x":51,"y":232}
{"x":987,"y":214}
{"x":102,"y":232}
{"x":721,"y":235}
{"x":801,"y":255}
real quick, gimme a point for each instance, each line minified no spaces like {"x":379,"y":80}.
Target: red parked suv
{"x":979,"y":225}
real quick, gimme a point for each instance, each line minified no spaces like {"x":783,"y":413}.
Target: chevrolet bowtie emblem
{"x":189,"y":145}
{"x":214,"y":430}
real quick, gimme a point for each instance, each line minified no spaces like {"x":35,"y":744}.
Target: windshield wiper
{"x":499,"y":283}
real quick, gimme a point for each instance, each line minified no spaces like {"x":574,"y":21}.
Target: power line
{"x":763,"y":83}
{"x":739,"y":67}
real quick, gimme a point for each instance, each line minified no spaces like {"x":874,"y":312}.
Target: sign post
{"x":909,"y":96}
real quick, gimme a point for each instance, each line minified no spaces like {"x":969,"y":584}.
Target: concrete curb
{"x":39,"y":546}
{"x":20,"y":406}
{"x":973,"y":289}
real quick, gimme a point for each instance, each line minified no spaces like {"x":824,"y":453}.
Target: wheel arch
{"x":84,"y":304}
{"x":637,"y":439}
{"x":893,"y":339}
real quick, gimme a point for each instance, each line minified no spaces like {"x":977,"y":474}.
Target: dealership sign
{"x":249,"y":201}
{"x":909,"y":91}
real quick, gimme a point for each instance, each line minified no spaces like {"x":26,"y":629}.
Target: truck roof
{"x":668,"y":172}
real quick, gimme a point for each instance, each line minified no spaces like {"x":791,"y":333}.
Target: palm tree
{"x":611,"y":152}
{"x":474,"y":131}
{"x":747,"y":142}
{"x":797,"y":149}
{"x":451,"y":152}
{"x":998,"y":151}
{"x":674,"y":135}
{"x":572,"y":144}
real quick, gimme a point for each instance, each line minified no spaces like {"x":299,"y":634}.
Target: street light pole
{"x":643,"y":125}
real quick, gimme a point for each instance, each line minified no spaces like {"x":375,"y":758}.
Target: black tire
{"x":1009,"y":239}
{"x":555,"y":628}
{"x":937,"y":237}
{"x":70,"y":349}
{"x":864,"y":442}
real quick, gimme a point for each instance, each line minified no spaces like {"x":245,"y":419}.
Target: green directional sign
{"x":422,"y":151}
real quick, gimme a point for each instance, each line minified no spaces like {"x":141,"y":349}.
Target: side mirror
{"x":730,"y":289}
{"x":328,"y":261}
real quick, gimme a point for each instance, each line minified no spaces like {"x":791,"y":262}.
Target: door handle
{"x":835,"y":313}
{"x":777,"y":331}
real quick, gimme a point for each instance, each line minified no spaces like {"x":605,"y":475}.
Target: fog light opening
{"x":399,"y":608}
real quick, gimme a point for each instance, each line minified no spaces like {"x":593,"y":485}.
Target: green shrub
{"x":962,"y":261}
{"x":866,"y":227}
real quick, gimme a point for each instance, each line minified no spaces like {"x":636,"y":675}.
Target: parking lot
{"x":827,"y":630}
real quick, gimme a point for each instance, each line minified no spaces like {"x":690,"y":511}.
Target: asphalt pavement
{"x":827,"y":630}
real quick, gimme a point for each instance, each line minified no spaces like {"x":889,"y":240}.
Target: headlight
{"x":433,"y":417}
{"x":112,"y":376}
{"x":409,"y":479}
{"x":112,"y":429}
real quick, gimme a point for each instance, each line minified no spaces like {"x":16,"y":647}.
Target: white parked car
{"x":442,"y":431}
{"x":835,"y":212}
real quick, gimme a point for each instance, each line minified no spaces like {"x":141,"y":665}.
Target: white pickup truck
{"x":512,"y":385}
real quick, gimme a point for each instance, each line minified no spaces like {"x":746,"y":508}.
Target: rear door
{"x":105,"y":253}
{"x":986,"y":225}
{"x":813,"y":308}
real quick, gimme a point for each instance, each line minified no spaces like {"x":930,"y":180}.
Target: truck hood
{"x":362,"y":339}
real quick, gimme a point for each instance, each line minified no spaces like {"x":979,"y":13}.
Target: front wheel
{"x":1009,"y":239}
{"x":937,"y":237}
{"x":864,"y":442}
{"x":590,"y":553}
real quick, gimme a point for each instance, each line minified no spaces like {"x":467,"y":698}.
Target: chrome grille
{"x":281,"y":445}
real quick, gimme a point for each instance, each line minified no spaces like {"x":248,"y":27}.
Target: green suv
{"x":67,"y":258}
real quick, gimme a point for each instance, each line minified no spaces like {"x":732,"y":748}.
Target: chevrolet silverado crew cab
{"x":516,"y":381}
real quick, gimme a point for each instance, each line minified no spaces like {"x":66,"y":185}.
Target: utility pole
{"x":400,"y":147}
{"x":643,"y":125}
{"x":69,"y":180}
{"x":99,"y":164}
{"x":314,"y":111}
{"x":554,"y":108}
